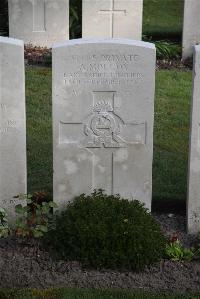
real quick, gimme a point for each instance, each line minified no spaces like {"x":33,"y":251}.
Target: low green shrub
{"x":105,"y":231}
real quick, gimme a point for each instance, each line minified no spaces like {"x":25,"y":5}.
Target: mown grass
{"x":171,"y":134}
{"x":86,"y":294}
{"x":163,"y":18}
{"x":39,"y":129}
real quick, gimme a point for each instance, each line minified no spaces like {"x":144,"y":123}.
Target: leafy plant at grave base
{"x":106,"y":231}
{"x":35,"y":218}
{"x":176,"y":252}
{"x":166,"y":49}
{"x":4,"y":228}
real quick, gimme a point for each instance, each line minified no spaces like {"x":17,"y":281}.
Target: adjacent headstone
{"x":193,"y":205}
{"x":103,"y":111}
{"x":12,"y":124}
{"x":39,"y":22}
{"x":112,"y":18}
{"x":191,"y":27}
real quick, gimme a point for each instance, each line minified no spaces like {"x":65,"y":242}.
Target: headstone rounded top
{"x":122,"y":41}
{"x":13,"y":41}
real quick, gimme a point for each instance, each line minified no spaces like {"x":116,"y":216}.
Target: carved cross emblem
{"x":39,"y":15}
{"x":103,"y":127}
{"x":112,"y":12}
{"x":102,"y":133}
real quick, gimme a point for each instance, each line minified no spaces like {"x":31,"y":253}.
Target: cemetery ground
{"x":26,"y":265}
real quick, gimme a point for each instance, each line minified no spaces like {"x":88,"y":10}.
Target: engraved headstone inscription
{"x":39,"y":22}
{"x":193,"y":205}
{"x":103,"y":107}
{"x":12,"y":124}
{"x":112,"y":18}
{"x":191,"y":27}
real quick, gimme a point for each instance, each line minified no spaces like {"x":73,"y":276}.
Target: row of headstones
{"x":103,"y":111}
{"x":43,"y":22}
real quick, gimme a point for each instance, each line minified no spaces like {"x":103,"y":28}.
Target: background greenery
{"x":162,"y":18}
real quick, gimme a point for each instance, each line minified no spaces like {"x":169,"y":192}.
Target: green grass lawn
{"x":39,"y":129}
{"x":173,"y":93}
{"x":86,"y":294}
{"x":171,"y":134}
{"x":163,"y":18}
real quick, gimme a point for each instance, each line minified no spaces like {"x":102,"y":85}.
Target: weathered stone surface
{"x":103,"y":107}
{"x":112,"y":18}
{"x":12,"y":123}
{"x":191,"y":27}
{"x":39,"y":22}
{"x":193,"y":205}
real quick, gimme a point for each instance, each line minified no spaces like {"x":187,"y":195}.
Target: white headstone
{"x":39,"y":22}
{"x":112,"y":18}
{"x":12,"y":123}
{"x":103,"y":110}
{"x":193,"y":205}
{"x":191,"y":27}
